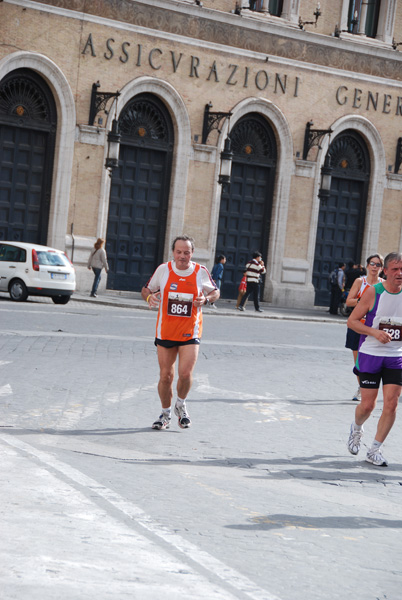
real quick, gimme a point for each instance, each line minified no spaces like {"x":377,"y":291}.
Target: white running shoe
{"x":184,"y":417}
{"x":354,"y":440}
{"x":163,"y":422}
{"x":376,"y":458}
{"x":358,"y":396}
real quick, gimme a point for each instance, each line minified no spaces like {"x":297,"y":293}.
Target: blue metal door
{"x":27,"y":137}
{"x":338,"y":233}
{"x":22,"y":165}
{"x":342,"y":214}
{"x":139,"y":194}
{"x":246,"y":205}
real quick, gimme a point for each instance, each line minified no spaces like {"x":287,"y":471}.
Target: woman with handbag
{"x":97,"y":261}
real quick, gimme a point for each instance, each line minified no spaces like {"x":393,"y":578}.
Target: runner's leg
{"x":167,"y":358}
{"x":187,"y":358}
{"x":391,"y":394}
{"x":366,"y":406}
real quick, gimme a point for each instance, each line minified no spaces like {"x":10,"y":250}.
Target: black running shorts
{"x":174,"y":344}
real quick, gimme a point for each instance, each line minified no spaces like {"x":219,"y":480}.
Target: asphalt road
{"x":258,"y":500}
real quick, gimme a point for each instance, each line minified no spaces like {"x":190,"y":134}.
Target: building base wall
{"x":288,"y":295}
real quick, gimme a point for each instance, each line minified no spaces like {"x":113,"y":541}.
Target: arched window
{"x":146,"y":120}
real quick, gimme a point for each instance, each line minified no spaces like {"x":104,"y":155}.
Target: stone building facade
{"x":308,"y":95}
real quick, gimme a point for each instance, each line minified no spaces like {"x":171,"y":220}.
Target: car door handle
{"x":12,"y":267}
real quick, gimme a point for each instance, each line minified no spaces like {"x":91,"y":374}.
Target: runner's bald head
{"x":183,"y":238}
{"x":397,"y":256}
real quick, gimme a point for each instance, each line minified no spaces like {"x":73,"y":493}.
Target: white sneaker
{"x":358,"y":396}
{"x":376,"y":458}
{"x":354,"y":440}
{"x":184,"y":417}
{"x":163,"y":422}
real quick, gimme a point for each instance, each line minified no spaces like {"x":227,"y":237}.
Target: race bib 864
{"x":179,"y":305}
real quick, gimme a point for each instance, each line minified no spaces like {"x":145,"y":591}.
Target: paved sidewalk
{"x":224,"y":307}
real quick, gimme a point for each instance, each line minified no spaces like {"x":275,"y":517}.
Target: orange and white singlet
{"x":178,"y":319}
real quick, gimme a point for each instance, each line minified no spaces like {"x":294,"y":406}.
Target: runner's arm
{"x":352,"y":298}
{"x":211,"y":296}
{"x":209,"y":289}
{"x":151,"y":291}
{"x":365,"y":304}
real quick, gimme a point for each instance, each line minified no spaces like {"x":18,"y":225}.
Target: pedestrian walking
{"x":337,"y":282}
{"x":217,"y":273}
{"x":254,"y":269}
{"x":379,"y":357}
{"x":97,"y":261}
{"x":179,"y":288}
{"x":360,"y":285}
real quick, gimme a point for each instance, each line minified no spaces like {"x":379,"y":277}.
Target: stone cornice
{"x":241,"y":33}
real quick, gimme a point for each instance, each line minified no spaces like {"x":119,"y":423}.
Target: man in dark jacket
{"x":337,"y":287}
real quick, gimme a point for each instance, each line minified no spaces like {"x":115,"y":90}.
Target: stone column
{"x":363,"y":17}
{"x":386,"y":21}
{"x":290,"y":10}
{"x":265,"y":6}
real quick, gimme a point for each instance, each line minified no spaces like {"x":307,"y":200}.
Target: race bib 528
{"x":395,"y":331}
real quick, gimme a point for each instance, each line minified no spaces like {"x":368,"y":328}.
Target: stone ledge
{"x":88,"y":134}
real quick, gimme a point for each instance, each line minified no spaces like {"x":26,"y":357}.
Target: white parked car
{"x":33,"y":270}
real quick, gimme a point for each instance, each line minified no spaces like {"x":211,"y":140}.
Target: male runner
{"x":179,"y":288}
{"x":379,"y":357}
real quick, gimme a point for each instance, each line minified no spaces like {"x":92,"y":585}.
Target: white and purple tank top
{"x":387,"y":307}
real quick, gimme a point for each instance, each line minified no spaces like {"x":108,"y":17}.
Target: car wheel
{"x":60,"y":299}
{"x":18,"y":290}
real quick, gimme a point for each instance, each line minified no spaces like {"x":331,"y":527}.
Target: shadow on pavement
{"x":279,"y":521}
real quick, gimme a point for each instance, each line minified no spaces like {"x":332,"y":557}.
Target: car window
{"x":51,"y":259}
{"x":12,"y":253}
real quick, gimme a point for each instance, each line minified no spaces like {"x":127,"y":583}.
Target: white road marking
{"x":267,"y":406}
{"x":6,"y":390}
{"x":70,"y":417}
{"x":129,"y":393}
{"x":204,"y":559}
{"x":202,"y":386}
